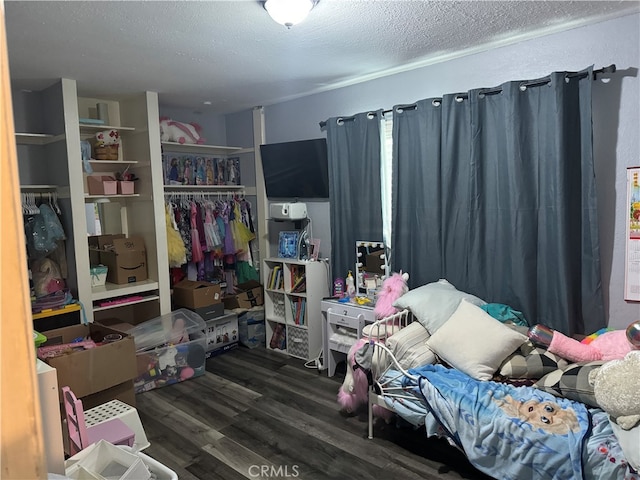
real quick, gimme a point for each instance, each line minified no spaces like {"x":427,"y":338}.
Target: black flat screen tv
{"x":296,"y":169}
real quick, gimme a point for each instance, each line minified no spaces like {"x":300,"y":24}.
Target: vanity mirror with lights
{"x":372,"y":265}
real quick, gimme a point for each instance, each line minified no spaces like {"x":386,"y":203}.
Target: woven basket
{"x":106,"y":152}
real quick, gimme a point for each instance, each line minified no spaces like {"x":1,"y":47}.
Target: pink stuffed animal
{"x":172,"y":131}
{"x":392,"y":289}
{"x":610,"y":345}
{"x":354,"y":391}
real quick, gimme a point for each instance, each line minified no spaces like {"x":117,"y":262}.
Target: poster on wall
{"x":632,"y":253}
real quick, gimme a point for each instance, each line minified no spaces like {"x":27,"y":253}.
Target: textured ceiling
{"x":233,"y":55}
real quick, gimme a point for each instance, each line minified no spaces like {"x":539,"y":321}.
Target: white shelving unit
{"x":136,"y":119}
{"x":49,"y":155}
{"x":296,"y":309}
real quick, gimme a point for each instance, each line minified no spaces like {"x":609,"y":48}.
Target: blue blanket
{"x":506,"y":431}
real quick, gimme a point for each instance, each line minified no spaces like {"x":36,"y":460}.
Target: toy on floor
{"x":604,"y":345}
{"x":617,"y":390}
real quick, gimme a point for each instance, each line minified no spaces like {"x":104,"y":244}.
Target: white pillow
{"x":432,"y":304}
{"x":410,"y":348}
{"x":629,"y":442}
{"x":474,"y":342}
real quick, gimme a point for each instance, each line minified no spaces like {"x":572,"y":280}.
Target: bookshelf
{"x":294,"y":290}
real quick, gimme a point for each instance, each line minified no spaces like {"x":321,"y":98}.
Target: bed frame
{"x":383,"y":360}
{"x":381,"y":387}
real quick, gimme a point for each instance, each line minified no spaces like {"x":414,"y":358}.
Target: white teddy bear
{"x":180,"y":132}
{"x":617,"y":390}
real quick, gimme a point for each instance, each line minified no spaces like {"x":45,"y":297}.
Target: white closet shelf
{"x":94,"y":197}
{"x":45,"y":188}
{"x":37,"y":138}
{"x":98,"y":128}
{"x":143,"y":300}
{"x":204,"y":188}
{"x":110,"y":290}
{"x":112,"y":165}
{"x":94,"y":162}
{"x":210,"y":149}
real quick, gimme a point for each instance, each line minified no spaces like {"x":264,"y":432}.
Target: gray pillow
{"x":572,"y":382}
{"x":432,"y":304}
{"x":531,"y":362}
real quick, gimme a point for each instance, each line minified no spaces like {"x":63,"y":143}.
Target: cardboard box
{"x":222,"y":331}
{"x":123,"y":391}
{"x":102,"y":185}
{"x":193,"y":295}
{"x":212,"y":311}
{"x":98,"y":243}
{"x":248,"y":295}
{"x":127,"y":260}
{"x":251,"y":328}
{"x":94,"y":370}
{"x":170,"y":348}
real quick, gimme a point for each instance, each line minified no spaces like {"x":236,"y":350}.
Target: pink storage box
{"x":102,"y":185}
{"x":126,"y":187}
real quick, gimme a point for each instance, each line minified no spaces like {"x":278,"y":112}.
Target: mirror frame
{"x":360,"y":286}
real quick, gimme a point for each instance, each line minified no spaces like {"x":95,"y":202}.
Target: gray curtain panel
{"x":494,"y":190}
{"x":354,"y":186}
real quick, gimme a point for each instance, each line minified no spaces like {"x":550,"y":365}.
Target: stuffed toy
{"x":392,"y":289}
{"x":606,"y":346}
{"x":107,"y":137}
{"x":617,"y":390}
{"x":172,"y":131}
{"x":354,"y":391}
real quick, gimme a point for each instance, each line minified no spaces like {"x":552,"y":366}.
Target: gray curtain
{"x":494,"y":190}
{"x":354,"y":186}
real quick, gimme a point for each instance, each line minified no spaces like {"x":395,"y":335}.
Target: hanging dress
{"x":196,"y":247}
{"x":211,"y":235}
{"x":181,"y":215}
{"x":175,"y":245}
{"x":241,"y":233}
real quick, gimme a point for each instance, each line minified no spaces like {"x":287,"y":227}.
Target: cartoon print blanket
{"x":512,"y":432}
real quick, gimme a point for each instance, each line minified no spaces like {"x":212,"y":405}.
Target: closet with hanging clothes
{"x":210,"y":236}
{"x":53,"y":124}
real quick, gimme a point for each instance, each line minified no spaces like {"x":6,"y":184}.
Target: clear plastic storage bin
{"x":169,"y":349}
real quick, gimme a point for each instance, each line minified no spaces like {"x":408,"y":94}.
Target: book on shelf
{"x":300,"y":285}
{"x":298,"y":307}
{"x":273,"y":277}
{"x":298,"y":279}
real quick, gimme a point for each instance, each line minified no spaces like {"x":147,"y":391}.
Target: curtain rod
{"x":604,"y":70}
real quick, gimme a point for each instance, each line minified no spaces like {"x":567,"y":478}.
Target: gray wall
{"x":616,"y":119}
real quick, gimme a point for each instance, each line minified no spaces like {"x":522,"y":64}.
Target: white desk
{"x":342,"y":325}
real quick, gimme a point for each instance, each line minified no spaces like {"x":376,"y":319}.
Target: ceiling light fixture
{"x":289,"y":12}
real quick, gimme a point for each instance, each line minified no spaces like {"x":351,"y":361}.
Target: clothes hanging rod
{"x":491,"y":91}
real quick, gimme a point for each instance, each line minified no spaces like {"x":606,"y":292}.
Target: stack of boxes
{"x":124,"y":260}
{"x":247,"y":303}
{"x":205,"y":299}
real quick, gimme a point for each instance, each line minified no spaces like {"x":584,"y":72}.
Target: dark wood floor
{"x":259,"y":414}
